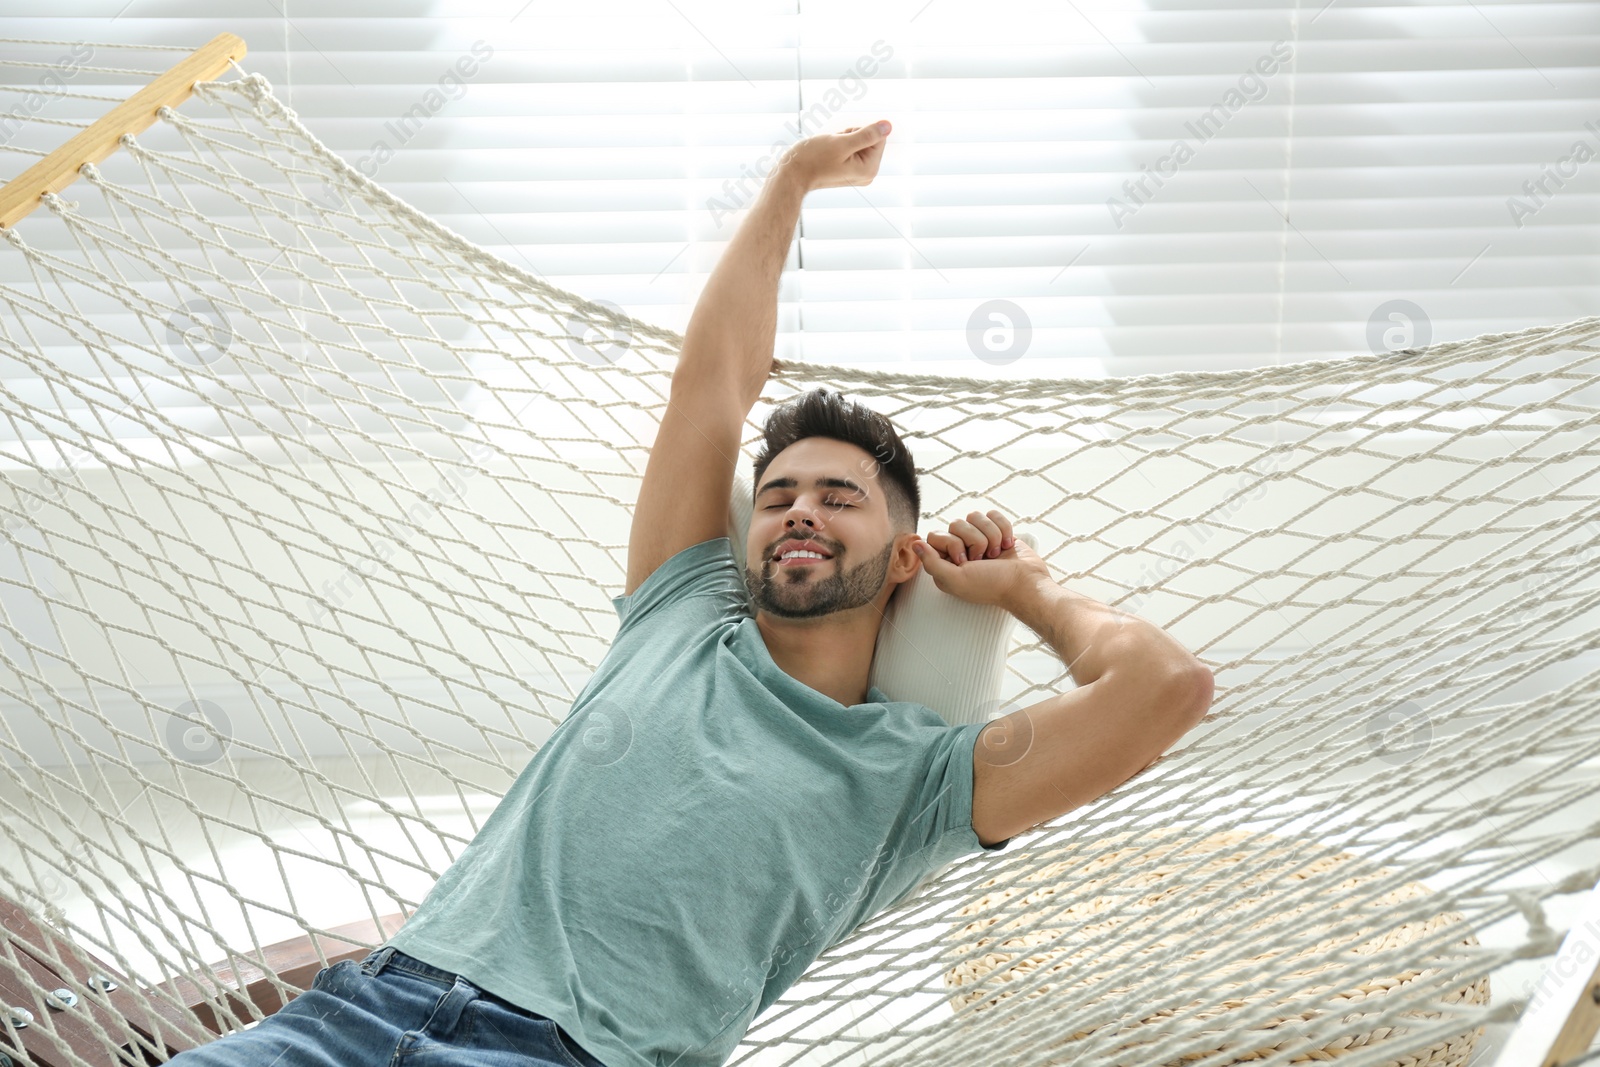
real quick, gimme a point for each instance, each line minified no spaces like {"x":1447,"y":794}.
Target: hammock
{"x":313,"y":512}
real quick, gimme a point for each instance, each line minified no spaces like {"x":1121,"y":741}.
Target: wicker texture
{"x":1085,"y":945}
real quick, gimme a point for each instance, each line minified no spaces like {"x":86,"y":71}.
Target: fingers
{"x":962,"y":543}
{"x":949,"y":547}
{"x":870,"y":134}
{"x":849,"y":157}
{"x":866,"y":149}
{"x":1008,"y":538}
{"x":932,"y":557}
{"x":992,"y":536}
{"x":972,"y":540}
{"x":982,"y":535}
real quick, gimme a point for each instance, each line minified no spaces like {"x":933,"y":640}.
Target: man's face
{"x":844,"y":516}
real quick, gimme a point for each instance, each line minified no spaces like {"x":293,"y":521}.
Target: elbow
{"x":1193,"y":688}
{"x":1183,"y":704}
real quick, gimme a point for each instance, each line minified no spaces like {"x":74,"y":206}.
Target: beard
{"x":805,"y":593}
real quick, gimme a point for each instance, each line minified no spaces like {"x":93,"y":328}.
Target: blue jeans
{"x":392,"y":1009}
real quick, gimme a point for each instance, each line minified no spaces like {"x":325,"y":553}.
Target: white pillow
{"x":933,"y":648}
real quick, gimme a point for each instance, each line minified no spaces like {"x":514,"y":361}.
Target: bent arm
{"x":1138,"y":692}
{"x":1092,"y":638}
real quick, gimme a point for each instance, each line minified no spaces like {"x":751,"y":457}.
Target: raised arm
{"x":727,"y":355}
{"x":1138,"y":690}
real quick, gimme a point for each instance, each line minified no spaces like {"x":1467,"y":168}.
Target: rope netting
{"x":313,"y":514}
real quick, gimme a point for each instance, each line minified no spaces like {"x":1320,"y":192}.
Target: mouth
{"x":797,"y":545}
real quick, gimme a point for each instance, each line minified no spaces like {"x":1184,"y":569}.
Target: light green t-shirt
{"x":695,"y":833}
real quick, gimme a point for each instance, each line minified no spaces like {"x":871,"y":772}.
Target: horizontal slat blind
{"x":1311,"y":166}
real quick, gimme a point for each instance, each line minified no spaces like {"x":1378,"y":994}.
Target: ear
{"x":937,"y":650}
{"x":904,"y":565}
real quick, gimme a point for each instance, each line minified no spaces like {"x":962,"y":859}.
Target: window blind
{"x":1071,"y":188}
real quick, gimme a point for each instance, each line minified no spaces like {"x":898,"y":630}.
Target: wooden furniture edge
{"x":59,"y":169}
{"x":294,"y":962}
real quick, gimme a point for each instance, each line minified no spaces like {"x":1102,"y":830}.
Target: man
{"x":727,"y":797}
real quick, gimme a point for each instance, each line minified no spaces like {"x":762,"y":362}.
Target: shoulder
{"x":701,"y":572}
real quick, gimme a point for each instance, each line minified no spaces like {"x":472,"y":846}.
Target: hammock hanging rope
{"x":313,"y":511}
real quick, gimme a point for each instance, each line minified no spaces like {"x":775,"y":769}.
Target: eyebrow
{"x":831,"y":483}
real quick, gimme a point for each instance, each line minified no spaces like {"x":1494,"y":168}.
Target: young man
{"x":727,"y":797}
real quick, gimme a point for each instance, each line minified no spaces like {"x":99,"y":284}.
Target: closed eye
{"x":835,"y":503}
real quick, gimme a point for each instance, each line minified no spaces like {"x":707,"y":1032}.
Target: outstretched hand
{"x":830,"y":159}
{"x":980,"y":560}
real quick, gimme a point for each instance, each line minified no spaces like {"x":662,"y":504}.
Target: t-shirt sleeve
{"x":706,"y":570}
{"x":943,"y":814}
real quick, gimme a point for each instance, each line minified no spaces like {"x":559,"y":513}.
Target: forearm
{"x":731,"y":333}
{"x":1092,"y":638}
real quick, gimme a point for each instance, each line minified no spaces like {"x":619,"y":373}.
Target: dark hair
{"x":825,"y":413}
